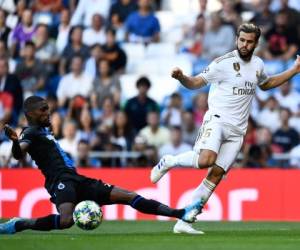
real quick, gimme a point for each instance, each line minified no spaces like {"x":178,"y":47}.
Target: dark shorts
{"x":79,"y":189}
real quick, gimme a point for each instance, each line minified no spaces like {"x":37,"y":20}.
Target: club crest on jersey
{"x":237,"y":67}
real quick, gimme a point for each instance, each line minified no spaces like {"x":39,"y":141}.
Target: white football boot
{"x":182,"y":227}
{"x":159,"y":170}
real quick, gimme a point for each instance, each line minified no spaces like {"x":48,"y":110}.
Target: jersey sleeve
{"x":261,"y":75}
{"x":27,"y":135}
{"x":211,"y":73}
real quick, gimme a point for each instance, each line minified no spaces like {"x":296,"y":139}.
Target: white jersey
{"x":233,"y":82}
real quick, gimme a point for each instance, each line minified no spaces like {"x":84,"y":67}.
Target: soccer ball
{"x":87,"y":215}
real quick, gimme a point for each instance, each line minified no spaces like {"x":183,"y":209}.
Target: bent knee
{"x":207,"y":158}
{"x":66,"y":221}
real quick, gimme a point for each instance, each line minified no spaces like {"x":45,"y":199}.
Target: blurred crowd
{"x":96,"y":62}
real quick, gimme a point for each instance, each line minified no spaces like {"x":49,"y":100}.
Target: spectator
{"x":47,"y":11}
{"x":121,"y":131}
{"x":258,"y":156}
{"x":75,"y":106}
{"x":10,"y":83}
{"x":189,"y":128}
{"x":269,"y":115}
{"x":142,"y":26}
{"x":264,"y":137}
{"x":176,"y":145}
{"x":229,"y":13}
{"x":285,"y":137}
{"x":6,"y":107}
{"x":70,"y":138}
{"x":148,"y":154}
{"x":96,"y":33}
{"x":219,"y":38}
{"x":281,"y":40}
{"x":199,"y":108}
{"x":22,"y":33}
{"x":120,"y":10}
{"x":45,"y":49}
{"x":292,"y":14}
{"x":193,"y":37}
{"x":92,"y":63}
{"x":63,"y":31}
{"x":56,"y":125}
{"x":86,"y":125}
{"x":52,"y":102}
{"x":118,"y":14}
{"x":203,"y":8}
{"x":4,"y":30}
{"x":87,"y":8}
{"x":172,"y":114}
{"x":249,"y":140}
{"x":74,"y":48}
{"x":74,"y":83}
{"x":113,"y":53}
{"x":288,"y":98}
{"x":263,"y":17}
{"x":4,"y":52}
{"x":141,"y":105}
{"x":107,"y":115}
{"x":31,"y":71}
{"x":155,"y":134}
{"x":105,"y":85}
{"x":83,"y":158}
{"x":295,"y":157}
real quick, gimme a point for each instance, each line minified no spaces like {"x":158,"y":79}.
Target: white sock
{"x":187,"y":159}
{"x":203,"y":191}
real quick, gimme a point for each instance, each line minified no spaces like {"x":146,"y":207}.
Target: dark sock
{"x":154,"y":207}
{"x":47,"y":223}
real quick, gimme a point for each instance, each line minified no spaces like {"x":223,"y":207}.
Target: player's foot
{"x":192,"y":211}
{"x":161,"y":168}
{"x":185,"y":228}
{"x":9,"y":226}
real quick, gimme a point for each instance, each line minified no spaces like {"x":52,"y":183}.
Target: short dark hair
{"x":143,"y":81}
{"x":30,"y":44}
{"x":249,"y":28}
{"x":111,"y":30}
{"x":31,"y":103}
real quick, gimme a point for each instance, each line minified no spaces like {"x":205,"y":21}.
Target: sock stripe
{"x":211,"y":186}
{"x":135,"y":200}
{"x":56,"y":221}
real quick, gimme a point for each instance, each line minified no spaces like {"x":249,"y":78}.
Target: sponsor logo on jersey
{"x":249,"y":89}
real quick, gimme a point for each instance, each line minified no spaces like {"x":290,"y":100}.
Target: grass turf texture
{"x":144,"y":235}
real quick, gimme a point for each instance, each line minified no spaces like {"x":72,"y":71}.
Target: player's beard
{"x":247,"y":56}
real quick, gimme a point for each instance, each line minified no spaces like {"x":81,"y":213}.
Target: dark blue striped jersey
{"x":47,"y":154}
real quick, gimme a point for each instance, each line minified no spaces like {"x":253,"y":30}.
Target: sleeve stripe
{"x":206,"y":82}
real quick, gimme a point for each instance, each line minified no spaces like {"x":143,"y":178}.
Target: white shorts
{"x":222,"y":138}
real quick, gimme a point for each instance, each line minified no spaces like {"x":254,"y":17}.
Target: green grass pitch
{"x":144,"y":235}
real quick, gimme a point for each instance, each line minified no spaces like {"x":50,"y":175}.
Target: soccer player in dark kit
{"x":64,"y":184}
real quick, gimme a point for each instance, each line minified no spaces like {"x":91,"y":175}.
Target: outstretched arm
{"x":189,"y":82}
{"x":18,"y":149}
{"x":277,"y":80}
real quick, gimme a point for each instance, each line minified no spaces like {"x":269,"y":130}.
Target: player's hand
{"x":177,"y":73}
{"x":10,"y":133}
{"x":297,"y":64}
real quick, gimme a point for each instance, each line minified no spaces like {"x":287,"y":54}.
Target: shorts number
{"x":207,"y":132}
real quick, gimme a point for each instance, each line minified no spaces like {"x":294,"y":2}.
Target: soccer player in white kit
{"x":233,"y":78}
